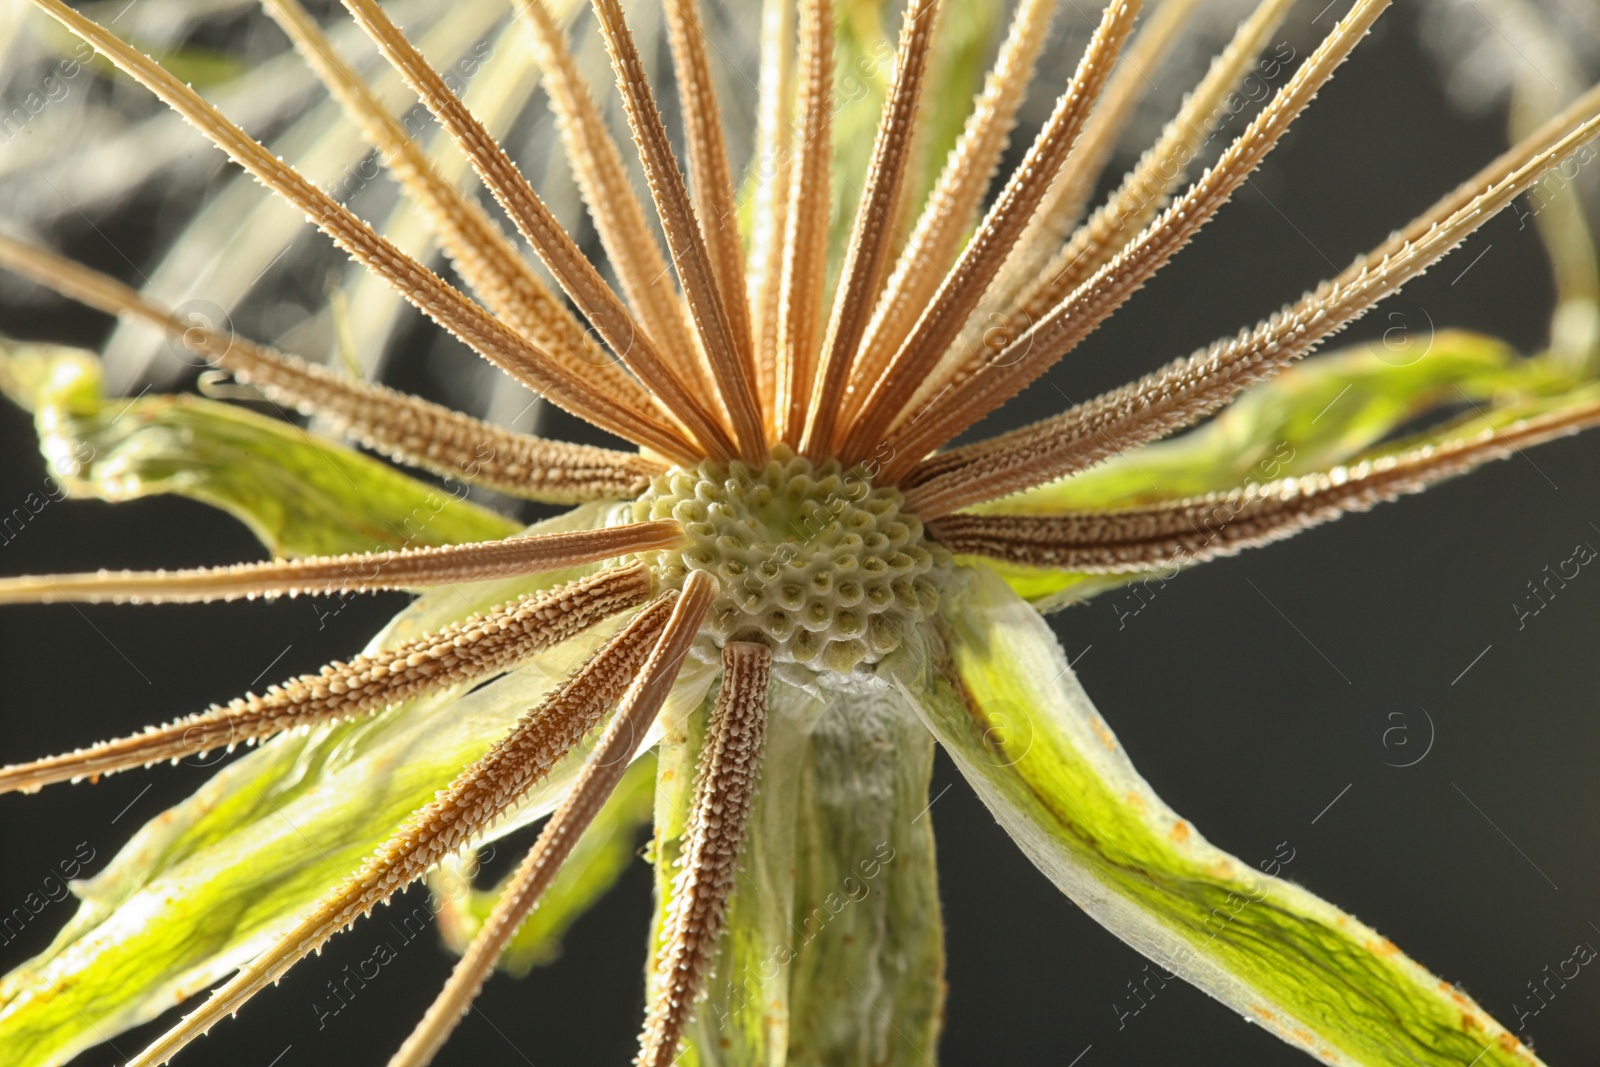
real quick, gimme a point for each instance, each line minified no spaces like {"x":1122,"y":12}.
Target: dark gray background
{"x":1251,"y":693}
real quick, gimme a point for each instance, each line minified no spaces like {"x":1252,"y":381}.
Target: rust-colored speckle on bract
{"x":1509,"y":1044}
{"x":1102,"y":731}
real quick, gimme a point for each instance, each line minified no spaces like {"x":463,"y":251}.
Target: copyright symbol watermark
{"x":1407,"y":337}
{"x":1008,"y":735}
{"x":205,"y":325}
{"x":596,"y":352}
{"x":1404,"y":741}
{"x":208,"y":743}
{"x":1005,"y":335}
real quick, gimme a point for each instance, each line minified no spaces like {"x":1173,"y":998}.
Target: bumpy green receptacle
{"x":815,"y":561}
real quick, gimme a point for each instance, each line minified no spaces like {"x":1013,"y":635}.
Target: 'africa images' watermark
{"x":353,"y":978}
{"x":1553,"y":579}
{"x":53,"y":889}
{"x":807,"y":928}
{"x":1215,"y":924}
{"x":15,"y":120}
{"x":1554,"y":182}
{"x":1551,"y":982}
{"x":50,"y":491}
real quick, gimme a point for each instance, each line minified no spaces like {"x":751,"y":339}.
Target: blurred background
{"x":1363,"y":695}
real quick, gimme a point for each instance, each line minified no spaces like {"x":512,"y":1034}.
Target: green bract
{"x":1007,"y":707}
{"x":300,"y":493}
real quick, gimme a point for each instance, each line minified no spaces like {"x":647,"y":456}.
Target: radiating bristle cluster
{"x":795,"y":564}
{"x":816,"y":561}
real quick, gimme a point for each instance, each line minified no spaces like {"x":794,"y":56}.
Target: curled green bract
{"x":1002,"y":700}
{"x":298,"y":492}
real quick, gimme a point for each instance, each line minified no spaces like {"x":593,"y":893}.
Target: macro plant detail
{"x":795,"y":584}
